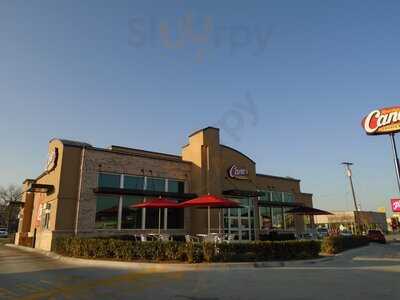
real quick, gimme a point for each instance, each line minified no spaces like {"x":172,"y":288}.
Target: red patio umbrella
{"x":210,"y":201}
{"x":158,"y":203}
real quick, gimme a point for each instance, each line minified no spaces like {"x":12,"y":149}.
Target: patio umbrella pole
{"x":159,"y":220}
{"x":219,"y":221}
{"x":208,"y":208}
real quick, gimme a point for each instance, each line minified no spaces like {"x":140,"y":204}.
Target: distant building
{"x":349,"y":219}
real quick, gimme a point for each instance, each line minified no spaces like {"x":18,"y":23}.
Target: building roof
{"x":120,"y":150}
{"x":72,"y":143}
{"x":141,"y":151}
{"x":237,"y":151}
{"x":203,"y":129}
{"x":278,"y":177}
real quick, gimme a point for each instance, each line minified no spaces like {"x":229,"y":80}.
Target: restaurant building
{"x":89,"y":191}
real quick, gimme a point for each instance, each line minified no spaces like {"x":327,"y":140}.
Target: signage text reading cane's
{"x":382,"y":121}
{"x":238,"y":173}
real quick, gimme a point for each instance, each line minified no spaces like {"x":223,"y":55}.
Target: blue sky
{"x":288,"y":82}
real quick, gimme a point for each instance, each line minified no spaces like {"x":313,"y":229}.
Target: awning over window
{"x":41,"y":188}
{"x":243,"y":193}
{"x":134,"y":192}
{"x":305,"y":210}
{"x":279,"y":204}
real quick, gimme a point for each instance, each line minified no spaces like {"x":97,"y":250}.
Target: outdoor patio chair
{"x":191,"y":239}
{"x":230,"y":238}
{"x":136,"y":237}
{"x":210,"y":238}
{"x":143,"y":238}
{"x":164,"y":237}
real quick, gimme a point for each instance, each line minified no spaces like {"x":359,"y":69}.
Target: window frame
{"x":145,"y":187}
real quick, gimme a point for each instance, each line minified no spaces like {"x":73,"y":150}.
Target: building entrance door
{"x":240,"y":221}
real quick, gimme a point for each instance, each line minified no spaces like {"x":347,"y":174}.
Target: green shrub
{"x":263,"y":251}
{"x":209,"y":251}
{"x":128,"y":250}
{"x":336,"y":244}
{"x":193,"y":252}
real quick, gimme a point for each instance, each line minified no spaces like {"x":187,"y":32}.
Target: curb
{"x":383,"y":259}
{"x":170,"y":267}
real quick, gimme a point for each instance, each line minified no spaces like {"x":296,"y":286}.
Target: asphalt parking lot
{"x":371,"y":272}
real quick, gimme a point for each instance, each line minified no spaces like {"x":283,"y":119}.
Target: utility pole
{"x":347,"y":165}
{"x":349,"y":174}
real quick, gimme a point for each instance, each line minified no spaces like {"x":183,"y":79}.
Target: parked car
{"x":346,"y":232}
{"x":322,"y":232}
{"x":3,"y":232}
{"x":307,"y":236}
{"x":375,"y":235}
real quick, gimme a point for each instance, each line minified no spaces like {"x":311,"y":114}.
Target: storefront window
{"x":176,"y":186}
{"x":266,"y":197}
{"x":175,"y":218}
{"x":152,"y":218}
{"x":131,"y":217}
{"x":288,"y":197}
{"x":277,"y":196}
{"x":109,"y":180}
{"x":307,"y":222}
{"x":265,"y":218}
{"x":107,"y":212}
{"x":155,"y":184}
{"x":134,"y":182}
{"x":289,"y":219}
{"x":240,"y":221}
{"x":46,"y":215}
{"x":277,"y":218}
{"x":234,"y":212}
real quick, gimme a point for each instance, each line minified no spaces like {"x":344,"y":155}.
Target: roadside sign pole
{"x":395,"y":159}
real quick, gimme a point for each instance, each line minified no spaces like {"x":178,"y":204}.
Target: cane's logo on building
{"x":238,"y":173}
{"x":382,"y":121}
{"x":395,"y":205}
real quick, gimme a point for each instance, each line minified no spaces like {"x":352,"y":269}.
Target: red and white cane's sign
{"x":382,"y":121}
{"x":395,"y":205}
{"x":238,"y":173}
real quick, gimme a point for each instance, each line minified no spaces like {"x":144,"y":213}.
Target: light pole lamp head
{"x":347,"y":163}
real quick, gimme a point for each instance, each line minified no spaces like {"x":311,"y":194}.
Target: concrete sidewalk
{"x":171,"y":267}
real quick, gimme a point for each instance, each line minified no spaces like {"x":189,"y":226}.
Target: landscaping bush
{"x":336,"y":244}
{"x":263,"y":251}
{"x":126,"y":249}
{"x":193,"y":252}
{"x":278,"y":236}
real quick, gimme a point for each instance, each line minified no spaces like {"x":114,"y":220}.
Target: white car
{"x":3,"y":232}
